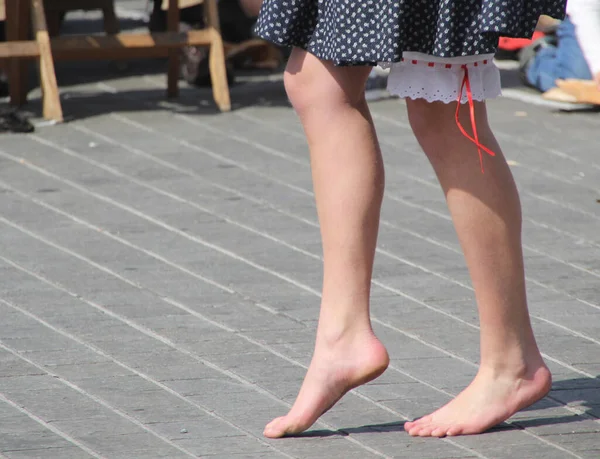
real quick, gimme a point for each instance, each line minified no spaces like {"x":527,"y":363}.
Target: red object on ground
{"x":514,"y":44}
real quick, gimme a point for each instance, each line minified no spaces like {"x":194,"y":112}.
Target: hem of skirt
{"x":315,"y":52}
{"x":446,"y":101}
{"x":384,"y":62}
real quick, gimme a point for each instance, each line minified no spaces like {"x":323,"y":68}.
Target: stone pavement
{"x":160,"y":274}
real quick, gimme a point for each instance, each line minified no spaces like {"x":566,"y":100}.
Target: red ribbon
{"x":466,"y":84}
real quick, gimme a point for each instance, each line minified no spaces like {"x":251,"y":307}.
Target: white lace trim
{"x":420,"y":76}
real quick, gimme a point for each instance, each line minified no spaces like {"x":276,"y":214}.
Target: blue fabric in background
{"x":558,"y":62}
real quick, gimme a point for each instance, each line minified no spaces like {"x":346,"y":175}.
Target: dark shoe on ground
{"x":3,"y":86}
{"x":12,"y":121}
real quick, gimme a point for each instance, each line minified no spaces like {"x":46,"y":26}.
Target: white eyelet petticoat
{"x":422,"y":76}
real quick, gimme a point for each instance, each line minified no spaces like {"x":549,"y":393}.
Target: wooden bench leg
{"x":217,"y":67}
{"x":16,"y":30}
{"x":51,"y":102}
{"x":173,"y":72}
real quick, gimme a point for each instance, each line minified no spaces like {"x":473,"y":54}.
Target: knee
{"x":318,"y":90}
{"x":299,"y":89}
{"x":428,"y":120}
{"x":434,"y":125}
{"x":438,"y":119}
{"x":429,"y":128}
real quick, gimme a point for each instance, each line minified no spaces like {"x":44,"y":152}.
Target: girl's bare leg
{"x":487,"y":217}
{"x":348,"y":181}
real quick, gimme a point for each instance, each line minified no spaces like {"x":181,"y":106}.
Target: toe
{"x":416,"y":428}
{"x":456,"y":430}
{"x":275,"y":428}
{"x":417,"y":423}
{"x":420,"y":426}
{"x":425,"y":431}
{"x":438,"y":432}
{"x":414,"y":432}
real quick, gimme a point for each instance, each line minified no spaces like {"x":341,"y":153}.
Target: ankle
{"x":517,"y":366}
{"x":504,"y":369}
{"x":343,"y":334}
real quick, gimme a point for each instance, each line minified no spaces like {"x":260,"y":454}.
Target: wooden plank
{"x":52,"y":108}
{"x":21,"y":49}
{"x":65,"y":53}
{"x":125,"y":46}
{"x":98,"y":47}
{"x":173,"y":70}
{"x":98,"y":43}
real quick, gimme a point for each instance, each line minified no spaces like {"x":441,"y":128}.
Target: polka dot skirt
{"x":366,"y":32}
{"x":453,"y":35}
{"x":452,"y":41}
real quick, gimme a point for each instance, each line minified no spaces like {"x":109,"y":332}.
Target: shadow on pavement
{"x":585,"y":391}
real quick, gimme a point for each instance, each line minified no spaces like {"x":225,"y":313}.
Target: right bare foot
{"x":490,"y":399}
{"x":334,"y":370}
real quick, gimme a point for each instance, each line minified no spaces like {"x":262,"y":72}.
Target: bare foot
{"x":334,"y":370}
{"x":486,"y":402}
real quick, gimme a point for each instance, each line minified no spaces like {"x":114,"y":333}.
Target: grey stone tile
{"x":67,"y":452}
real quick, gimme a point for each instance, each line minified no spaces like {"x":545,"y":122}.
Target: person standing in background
{"x":585,"y":15}
{"x":567,"y":67}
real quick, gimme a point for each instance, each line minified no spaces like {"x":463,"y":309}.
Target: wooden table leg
{"x":17,"y":29}
{"x":173,"y":72}
{"x":51,"y":101}
{"x":216,"y":63}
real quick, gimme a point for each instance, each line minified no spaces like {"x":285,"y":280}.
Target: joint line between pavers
{"x":301,"y":285}
{"x":226,"y":252}
{"x":95,"y":398}
{"x":232,"y":374}
{"x":509,"y":138}
{"x":169,"y":227}
{"x":45,"y":424}
{"x":168,"y":342}
{"x":294,"y":160}
{"x":142,"y":375}
{"x":389,"y":195}
{"x":214,"y":247}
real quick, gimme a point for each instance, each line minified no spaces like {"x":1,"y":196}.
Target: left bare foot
{"x":354,"y":359}
{"x":488,"y":401}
